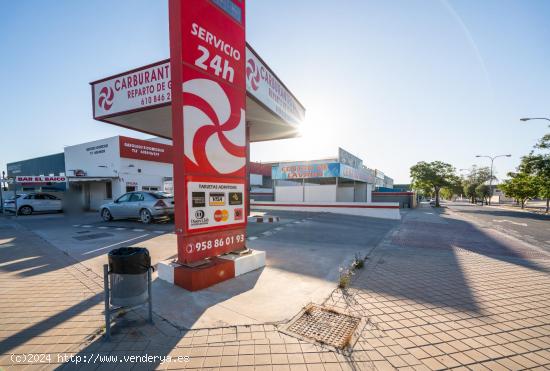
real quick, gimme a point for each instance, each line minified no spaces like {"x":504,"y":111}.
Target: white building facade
{"x":105,"y":169}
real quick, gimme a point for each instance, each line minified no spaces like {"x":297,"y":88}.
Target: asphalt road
{"x":304,"y":252}
{"x":528,"y":227}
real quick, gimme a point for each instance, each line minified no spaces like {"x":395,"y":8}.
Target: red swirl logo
{"x":106,"y":96}
{"x":252,"y":74}
{"x":214,"y":138}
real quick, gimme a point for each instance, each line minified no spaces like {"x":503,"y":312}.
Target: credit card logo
{"x":235,"y":198}
{"x":238,"y":214}
{"x":216,"y":199}
{"x":198,"y":199}
{"x":221,"y":215}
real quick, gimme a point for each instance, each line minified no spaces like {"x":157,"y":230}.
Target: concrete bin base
{"x":246,"y":263}
{"x":220,"y":269}
{"x":166,"y":270}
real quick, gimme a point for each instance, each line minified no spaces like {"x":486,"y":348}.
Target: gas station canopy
{"x":140,"y":99}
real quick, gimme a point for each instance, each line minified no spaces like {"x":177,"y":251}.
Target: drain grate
{"x":325,"y":326}
{"x":92,"y":236}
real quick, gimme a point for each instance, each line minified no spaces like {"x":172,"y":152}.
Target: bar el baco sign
{"x":207,"y":56}
{"x":40,"y":179}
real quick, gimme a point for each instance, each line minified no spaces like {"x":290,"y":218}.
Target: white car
{"x":27,"y":203}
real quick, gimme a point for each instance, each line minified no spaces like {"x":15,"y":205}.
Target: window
{"x":161,"y":195}
{"x":130,"y":188}
{"x":109,"y":190}
{"x":50,"y":197}
{"x":39,"y":197}
{"x":136,"y":197}
{"x":124,"y":197}
{"x":149,"y":188}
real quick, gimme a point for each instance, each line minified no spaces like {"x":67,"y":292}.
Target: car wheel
{"x":106,"y":215}
{"x":145,"y":216}
{"x":25,"y":210}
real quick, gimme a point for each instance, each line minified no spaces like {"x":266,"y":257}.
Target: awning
{"x":140,"y":99}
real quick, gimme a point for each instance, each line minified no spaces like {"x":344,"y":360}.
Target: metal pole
{"x":15,"y":196}
{"x":107,"y":306}
{"x":149,"y":291}
{"x":491,"y":181}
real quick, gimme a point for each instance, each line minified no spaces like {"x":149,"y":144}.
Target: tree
{"x":470,"y":191}
{"x":544,"y":142}
{"x":483,"y":191}
{"x":539,"y":166}
{"x":521,"y":186}
{"x":446,"y":193}
{"x":475,"y":178}
{"x":434,"y":175}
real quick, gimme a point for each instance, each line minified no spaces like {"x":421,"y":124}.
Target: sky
{"x":393,"y":82}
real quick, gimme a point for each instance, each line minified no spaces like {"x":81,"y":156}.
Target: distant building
{"x":337,"y":179}
{"x":51,"y":165}
{"x":102,"y":170}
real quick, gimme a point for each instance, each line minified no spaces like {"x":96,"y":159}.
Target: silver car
{"x":145,"y":206}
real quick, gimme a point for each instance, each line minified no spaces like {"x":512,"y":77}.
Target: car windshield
{"x":13,"y":198}
{"x":161,"y":195}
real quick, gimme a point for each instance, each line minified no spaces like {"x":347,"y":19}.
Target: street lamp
{"x":491,"y":178}
{"x":525,"y":119}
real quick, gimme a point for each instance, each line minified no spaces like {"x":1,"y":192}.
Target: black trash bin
{"x":128,"y":268}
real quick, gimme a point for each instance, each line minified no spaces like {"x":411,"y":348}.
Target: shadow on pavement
{"x":434,"y":243}
{"x":505,"y":213}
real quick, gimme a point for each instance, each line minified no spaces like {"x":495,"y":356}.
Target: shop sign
{"x":263,"y":85}
{"x":207,"y":56}
{"x":40,"y":179}
{"x":150,"y":87}
{"x":304,"y":171}
{"x":145,"y":150}
{"x":135,"y":90}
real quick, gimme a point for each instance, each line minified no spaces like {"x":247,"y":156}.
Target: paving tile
{"x":433,"y":364}
{"x":295,"y":358}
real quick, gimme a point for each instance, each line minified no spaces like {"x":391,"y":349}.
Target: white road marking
{"x":118,"y":243}
{"x":252,"y":238}
{"x":138,"y":230}
{"x":86,"y":226}
{"x":267,"y":233}
{"x":120,"y":229}
{"x":102,"y":227}
{"x":76,"y":225}
{"x":279,"y":228}
{"x":509,"y":221}
{"x":159,"y":232}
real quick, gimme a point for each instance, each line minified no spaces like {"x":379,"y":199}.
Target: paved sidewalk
{"x":52,"y":306}
{"x":438,"y":293}
{"x":452,"y":295}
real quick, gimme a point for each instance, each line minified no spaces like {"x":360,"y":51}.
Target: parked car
{"x":28,"y":203}
{"x":145,"y":206}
